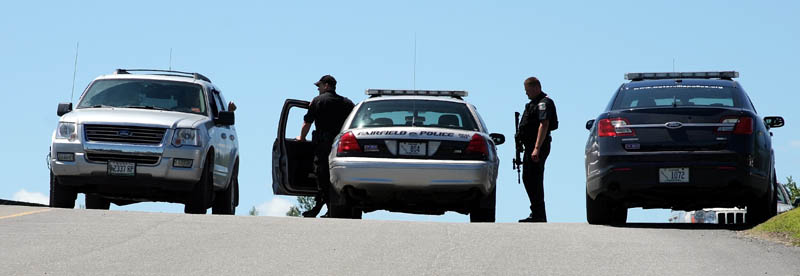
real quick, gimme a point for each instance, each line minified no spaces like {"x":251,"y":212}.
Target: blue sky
{"x":261,"y":53}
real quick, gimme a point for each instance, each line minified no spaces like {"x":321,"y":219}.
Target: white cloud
{"x":276,"y":207}
{"x":32,"y":197}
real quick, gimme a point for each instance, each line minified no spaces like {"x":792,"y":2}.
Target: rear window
{"x":422,"y":113}
{"x":677,"y":95}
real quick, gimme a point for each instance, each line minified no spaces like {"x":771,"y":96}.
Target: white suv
{"x":153,"y":136}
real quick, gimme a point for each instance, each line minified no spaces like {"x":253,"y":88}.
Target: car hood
{"x":168,"y":119}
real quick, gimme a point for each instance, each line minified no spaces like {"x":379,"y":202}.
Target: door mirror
{"x":589,"y":124}
{"x":64,"y":108}
{"x":225,"y":118}
{"x":498,"y":138}
{"x":797,"y":202}
{"x":773,"y":121}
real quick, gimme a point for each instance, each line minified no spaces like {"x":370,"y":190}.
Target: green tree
{"x":794,"y":191}
{"x":253,"y":211}
{"x":304,"y":203}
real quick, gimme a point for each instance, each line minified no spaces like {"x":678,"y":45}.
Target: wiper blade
{"x":146,"y":107}
{"x":100,"y":106}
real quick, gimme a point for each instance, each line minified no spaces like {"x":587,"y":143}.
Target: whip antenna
{"x":75,"y":71}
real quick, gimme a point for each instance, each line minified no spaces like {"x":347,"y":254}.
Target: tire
{"x":764,"y":207}
{"x":201,"y":196}
{"x":225,"y":201}
{"x":338,"y":207}
{"x":97,"y":202}
{"x":605,"y":212}
{"x":484,"y":210}
{"x":60,"y":196}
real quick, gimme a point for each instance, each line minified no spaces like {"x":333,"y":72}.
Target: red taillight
{"x":478,"y":145}
{"x":614,"y":127}
{"x":348,"y":143}
{"x":743,"y":125}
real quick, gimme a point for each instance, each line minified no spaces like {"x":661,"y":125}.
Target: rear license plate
{"x":673,"y":175}
{"x":413,"y":149}
{"x":116,"y":168}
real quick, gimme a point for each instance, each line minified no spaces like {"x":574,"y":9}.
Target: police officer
{"x":327,"y":112}
{"x":538,"y":119}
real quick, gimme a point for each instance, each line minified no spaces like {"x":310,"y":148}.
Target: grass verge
{"x":784,"y":228}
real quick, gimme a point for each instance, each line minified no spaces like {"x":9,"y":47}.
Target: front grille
{"x":138,"y":159}
{"x":124,"y":134}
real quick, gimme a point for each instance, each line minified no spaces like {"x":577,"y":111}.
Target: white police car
{"x":415,"y":151}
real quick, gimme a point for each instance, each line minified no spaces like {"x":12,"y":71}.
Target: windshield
{"x":677,"y":95}
{"x":146,"y":94}
{"x":421,"y":113}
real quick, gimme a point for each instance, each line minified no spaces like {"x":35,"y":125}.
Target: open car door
{"x":292,"y":160}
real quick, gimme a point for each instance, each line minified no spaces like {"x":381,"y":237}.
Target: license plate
{"x":414,"y":149}
{"x":116,"y":168}
{"x":673,"y":175}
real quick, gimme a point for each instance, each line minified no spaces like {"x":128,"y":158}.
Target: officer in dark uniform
{"x":537,"y":121}
{"x":328,"y":111}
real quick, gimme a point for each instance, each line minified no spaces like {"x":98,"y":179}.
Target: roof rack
{"x":165,"y":73}
{"x":391,"y":92}
{"x":726,"y":75}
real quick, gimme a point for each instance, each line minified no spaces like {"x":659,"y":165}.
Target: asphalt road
{"x":44,"y":241}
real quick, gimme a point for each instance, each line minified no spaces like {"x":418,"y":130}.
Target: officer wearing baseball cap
{"x":327,"y":112}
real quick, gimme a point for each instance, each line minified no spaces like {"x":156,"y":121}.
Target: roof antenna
{"x":414,"y":86}
{"x":170,"y":59}
{"x":74,"y":71}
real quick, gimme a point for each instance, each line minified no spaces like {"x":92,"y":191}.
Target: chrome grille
{"x":138,"y":159}
{"x":124,"y":134}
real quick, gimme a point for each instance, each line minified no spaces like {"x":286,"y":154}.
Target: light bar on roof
{"x":390,"y":92}
{"x":682,"y":75}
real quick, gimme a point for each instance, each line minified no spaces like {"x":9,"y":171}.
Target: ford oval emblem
{"x":124,"y":133}
{"x":673,"y":125}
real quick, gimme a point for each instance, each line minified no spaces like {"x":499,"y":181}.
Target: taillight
{"x":348,"y":143}
{"x":614,"y":127}
{"x":742,"y":125}
{"x":478,"y":145}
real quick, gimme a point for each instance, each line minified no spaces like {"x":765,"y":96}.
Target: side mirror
{"x":498,"y":138}
{"x":774,"y":121}
{"x":589,"y":124}
{"x":225,"y":118}
{"x":64,"y":108}
{"x":797,"y":202}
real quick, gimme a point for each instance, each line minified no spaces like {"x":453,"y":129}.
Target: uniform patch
{"x":542,"y":106}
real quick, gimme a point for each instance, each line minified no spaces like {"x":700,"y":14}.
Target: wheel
{"x":764,"y":207}
{"x":60,"y":196}
{"x":338,"y":207}
{"x":225,"y":201}
{"x":600,"y":211}
{"x":97,"y":202}
{"x":484,"y":210}
{"x":201,"y":196}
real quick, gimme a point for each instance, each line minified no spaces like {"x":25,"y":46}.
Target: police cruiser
{"x":414,"y":151}
{"x":684,"y":141}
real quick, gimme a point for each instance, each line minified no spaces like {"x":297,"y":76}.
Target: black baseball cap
{"x":326,"y":79}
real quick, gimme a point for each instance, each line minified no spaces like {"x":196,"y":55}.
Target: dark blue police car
{"x":680,"y":140}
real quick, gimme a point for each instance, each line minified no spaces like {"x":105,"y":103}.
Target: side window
{"x":219,"y":101}
{"x":216,"y":105}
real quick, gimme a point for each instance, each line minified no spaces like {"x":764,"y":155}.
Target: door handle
{"x":224,"y":136}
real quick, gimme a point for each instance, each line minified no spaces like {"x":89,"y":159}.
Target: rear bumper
{"x":374,"y":174}
{"x":716,"y":179}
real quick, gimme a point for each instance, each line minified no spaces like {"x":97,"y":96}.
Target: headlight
{"x":185,"y":137}
{"x":66,"y":131}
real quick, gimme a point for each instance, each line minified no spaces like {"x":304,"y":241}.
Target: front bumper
{"x":92,"y":175}
{"x":384,"y":174}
